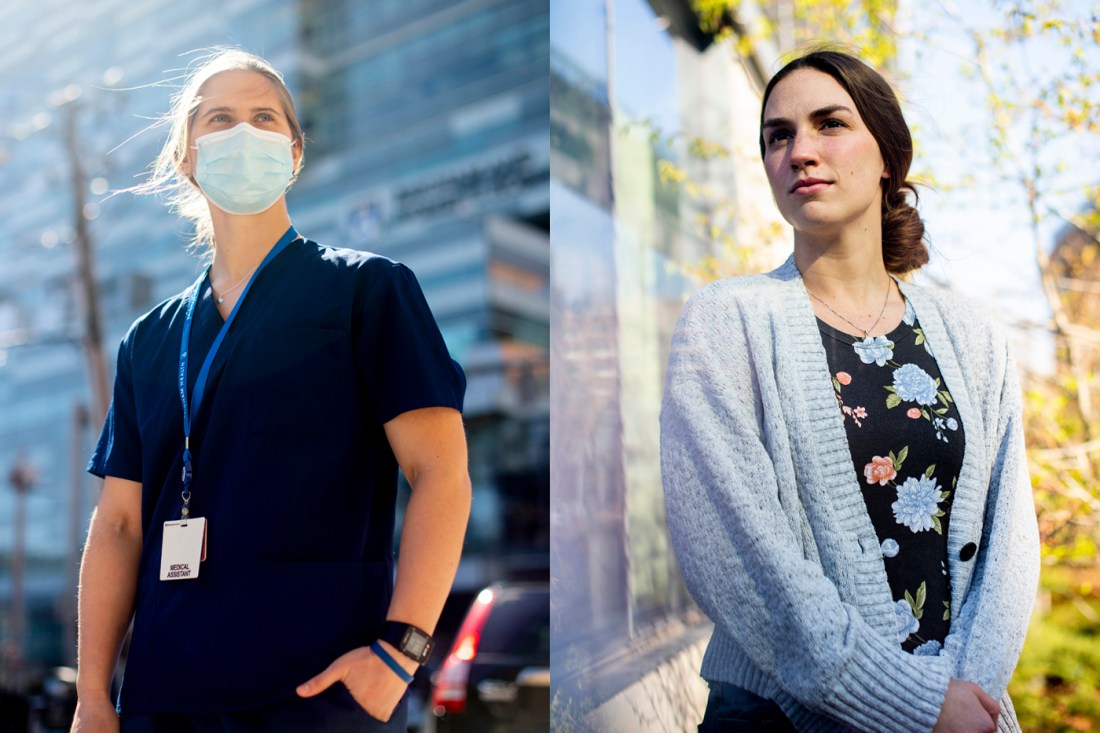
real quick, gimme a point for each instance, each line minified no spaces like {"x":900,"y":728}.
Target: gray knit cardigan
{"x":773,"y":537}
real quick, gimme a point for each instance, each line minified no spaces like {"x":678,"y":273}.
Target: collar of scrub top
{"x":204,"y":372}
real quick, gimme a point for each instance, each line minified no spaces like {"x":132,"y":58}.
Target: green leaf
{"x":889,"y":389}
{"x":928,"y":471}
{"x":925,"y":413}
{"x":947,"y":396}
{"x":901,"y":457}
{"x":920,"y":336}
{"x":941,"y":411}
{"x":912,"y":603}
{"x":947,"y":610}
{"x":922,"y":594}
{"x":936,"y":525}
{"x":836,"y":384}
{"x":939,"y":383}
{"x":892,"y":401}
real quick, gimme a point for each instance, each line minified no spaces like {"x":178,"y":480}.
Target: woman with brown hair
{"x":842,"y":450}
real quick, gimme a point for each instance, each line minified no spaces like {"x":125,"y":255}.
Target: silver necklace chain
{"x":221,"y":298}
{"x":866,"y":332}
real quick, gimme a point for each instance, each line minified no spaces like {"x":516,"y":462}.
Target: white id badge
{"x":183,"y":549}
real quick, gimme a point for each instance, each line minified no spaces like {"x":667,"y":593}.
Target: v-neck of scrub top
{"x":208,"y":320}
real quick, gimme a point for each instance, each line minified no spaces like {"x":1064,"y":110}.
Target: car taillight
{"x":449,"y":690}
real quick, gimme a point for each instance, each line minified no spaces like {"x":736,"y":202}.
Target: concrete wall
{"x":669,"y":698}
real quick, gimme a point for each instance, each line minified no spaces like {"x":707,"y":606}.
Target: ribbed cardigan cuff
{"x":877,"y":690}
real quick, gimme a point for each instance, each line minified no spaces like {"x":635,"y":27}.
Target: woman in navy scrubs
{"x":250,"y":458}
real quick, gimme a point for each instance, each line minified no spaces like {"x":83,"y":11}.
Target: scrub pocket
{"x":731,"y":709}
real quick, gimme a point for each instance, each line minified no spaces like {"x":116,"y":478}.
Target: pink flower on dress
{"x":913,"y":412}
{"x":860,"y":412}
{"x":844,"y":378}
{"x":879,"y":470}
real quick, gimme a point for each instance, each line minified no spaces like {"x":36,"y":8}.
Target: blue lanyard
{"x":204,"y":372}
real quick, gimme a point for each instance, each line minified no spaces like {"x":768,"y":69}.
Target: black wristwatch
{"x":414,"y":643}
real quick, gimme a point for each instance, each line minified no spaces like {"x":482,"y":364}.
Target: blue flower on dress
{"x":942,"y":426}
{"x":913,"y":384}
{"x":916,"y":504}
{"x":910,"y":315}
{"x":890,"y":547}
{"x":907,"y":622}
{"x":930,"y":648}
{"x":874,"y":350}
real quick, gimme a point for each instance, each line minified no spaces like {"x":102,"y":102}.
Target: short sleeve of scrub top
{"x":118,"y":452}
{"x":401,"y":351}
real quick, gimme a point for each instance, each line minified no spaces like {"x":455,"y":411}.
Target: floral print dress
{"x":906,"y":440}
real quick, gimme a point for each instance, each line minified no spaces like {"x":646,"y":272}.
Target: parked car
{"x":496,"y":678}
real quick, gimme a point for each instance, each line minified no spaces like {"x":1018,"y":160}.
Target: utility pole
{"x":76,"y":528}
{"x":86,"y":286}
{"x":88,"y":306}
{"x":22,"y":478}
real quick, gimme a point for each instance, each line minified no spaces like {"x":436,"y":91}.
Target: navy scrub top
{"x":292,"y":471}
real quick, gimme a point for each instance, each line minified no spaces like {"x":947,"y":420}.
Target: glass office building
{"x":427,"y":127}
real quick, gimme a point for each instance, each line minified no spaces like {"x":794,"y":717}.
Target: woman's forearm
{"x":108,"y":586}
{"x":431,"y":544}
{"x":430,"y":447}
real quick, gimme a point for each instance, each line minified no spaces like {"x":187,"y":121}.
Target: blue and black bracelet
{"x":391,"y":662}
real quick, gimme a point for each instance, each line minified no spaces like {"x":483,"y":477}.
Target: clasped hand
{"x":373,"y":685}
{"x":967,"y":709}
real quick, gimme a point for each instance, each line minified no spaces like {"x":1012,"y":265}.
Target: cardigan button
{"x":967,"y":551}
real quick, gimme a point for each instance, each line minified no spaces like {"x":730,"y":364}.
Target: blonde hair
{"x":165,"y":178}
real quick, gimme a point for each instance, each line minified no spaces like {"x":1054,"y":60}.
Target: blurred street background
{"x":427,"y":127}
{"x":657,"y":187}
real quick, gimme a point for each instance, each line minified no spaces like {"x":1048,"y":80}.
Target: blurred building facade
{"x":426,"y":125}
{"x":656,"y":186}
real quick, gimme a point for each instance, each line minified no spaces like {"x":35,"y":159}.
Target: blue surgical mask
{"x":244,"y":170}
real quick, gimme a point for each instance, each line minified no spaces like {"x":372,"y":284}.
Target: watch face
{"x":416,"y":644}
